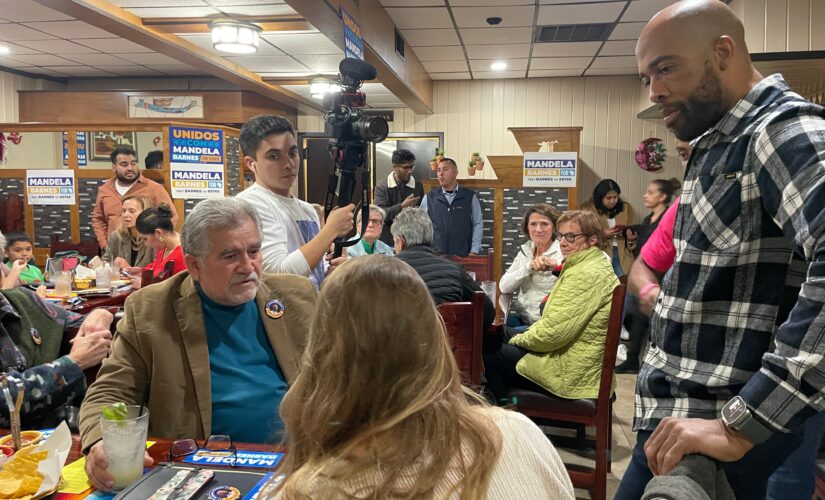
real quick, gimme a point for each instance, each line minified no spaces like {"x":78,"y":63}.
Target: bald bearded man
{"x":749,"y":235}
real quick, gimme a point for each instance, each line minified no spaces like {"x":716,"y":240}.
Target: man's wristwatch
{"x":737,"y":415}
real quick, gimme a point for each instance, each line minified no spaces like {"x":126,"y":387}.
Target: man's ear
{"x":724,"y":50}
{"x":193,"y":266}
{"x":250,"y":164}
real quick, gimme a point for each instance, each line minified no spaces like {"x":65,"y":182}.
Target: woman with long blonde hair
{"x":378,"y":410}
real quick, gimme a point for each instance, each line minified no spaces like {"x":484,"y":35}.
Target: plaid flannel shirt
{"x":737,"y":313}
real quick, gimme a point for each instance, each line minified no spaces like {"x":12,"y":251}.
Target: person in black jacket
{"x":446,"y":280}
{"x":398,"y":191}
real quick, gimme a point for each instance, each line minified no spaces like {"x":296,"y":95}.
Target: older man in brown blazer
{"x":212,"y":346}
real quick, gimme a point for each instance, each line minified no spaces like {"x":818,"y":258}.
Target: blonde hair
{"x":589,"y":223}
{"x":379,"y":385}
{"x":144,"y":202}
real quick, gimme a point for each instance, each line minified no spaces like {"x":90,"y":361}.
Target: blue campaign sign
{"x":195,"y":145}
{"x":353,"y":41}
{"x":256,"y":459}
{"x":81,"y":149}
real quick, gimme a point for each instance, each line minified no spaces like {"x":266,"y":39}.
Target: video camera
{"x":351,"y":131}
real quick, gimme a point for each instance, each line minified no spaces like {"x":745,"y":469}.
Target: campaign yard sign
{"x":553,"y":169}
{"x":50,"y":187}
{"x":196,"y":163}
{"x":353,"y":41}
{"x":81,"y":149}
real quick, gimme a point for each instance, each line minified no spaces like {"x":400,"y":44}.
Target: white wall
{"x":782,"y":25}
{"x":474,"y":116}
{"x":10,"y":83}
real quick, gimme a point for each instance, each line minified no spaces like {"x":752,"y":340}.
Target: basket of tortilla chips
{"x":34,"y":471}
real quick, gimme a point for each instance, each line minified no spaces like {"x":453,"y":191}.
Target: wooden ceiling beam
{"x":201,"y":24}
{"x":120,"y":22}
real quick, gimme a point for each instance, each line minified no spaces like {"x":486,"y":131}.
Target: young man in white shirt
{"x":293,"y":241}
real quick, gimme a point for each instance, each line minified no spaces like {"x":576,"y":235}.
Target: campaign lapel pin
{"x":36,"y":336}
{"x":274,"y":309}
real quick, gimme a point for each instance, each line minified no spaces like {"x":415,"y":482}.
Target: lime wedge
{"x":116,"y":411}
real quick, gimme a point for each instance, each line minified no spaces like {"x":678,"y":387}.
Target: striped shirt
{"x":737,"y":313}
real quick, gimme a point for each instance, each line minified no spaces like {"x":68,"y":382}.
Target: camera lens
{"x":371,"y":128}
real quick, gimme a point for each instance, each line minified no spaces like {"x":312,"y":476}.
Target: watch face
{"x":734,"y":410}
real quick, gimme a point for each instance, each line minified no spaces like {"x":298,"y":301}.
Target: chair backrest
{"x":86,"y":248}
{"x":481,"y":265}
{"x":11,"y":214}
{"x":611,"y":343}
{"x":147,"y":276}
{"x":465,"y":327}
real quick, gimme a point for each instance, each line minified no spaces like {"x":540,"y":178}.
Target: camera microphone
{"x":357,"y":69}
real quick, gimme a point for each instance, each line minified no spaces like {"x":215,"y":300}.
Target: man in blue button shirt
{"x":216,"y":346}
{"x":456,"y":213}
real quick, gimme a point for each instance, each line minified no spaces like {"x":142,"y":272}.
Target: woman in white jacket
{"x":531,"y":273}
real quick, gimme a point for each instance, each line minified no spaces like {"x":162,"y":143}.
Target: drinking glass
{"x":472,"y":275}
{"x":489,"y":287}
{"x":63,"y":283}
{"x":124,"y":442}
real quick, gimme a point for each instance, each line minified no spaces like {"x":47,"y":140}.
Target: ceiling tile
{"x":450,"y":76}
{"x":643,"y":10}
{"x":18,"y":49}
{"x":430,"y":38}
{"x":484,"y":65}
{"x":303,"y":43}
{"x":291,"y":74}
{"x":612,"y":71}
{"x":205,"y":42}
{"x":80,"y":71}
{"x":258,"y":10}
{"x":113,"y":45}
{"x":565,"y":49}
{"x":58,"y":47}
{"x":148,"y":58}
{"x":48,"y":72}
{"x":71,"y":29}
{"x":487,"y":75}
{"x":129,"y":70}
{"x":551,"y":2}
{"x":19,"y":33}
{"x":269,"y":64}
{"x":95,"y":59}
{"x":554,"y":72}
{"x":4,"y":20}
{"x":174,"y":12}
{"x":43,"y":60}
{"x":13,"y":63}
{"x":420,"y":17}
{"x":159,"y":3}
{"x":220,"y":3}
{"x":178,"y":69}
{"x":506,"y":51}
{"x":575,"y":14}
{"x":560,"y":62}
{"x":489,"y":3}
{"x":476,"y":17}
{"x":445,"y":66}
{"x":615,"y":62}
{"x":627,"y":31}
{"x":620,"y":48}
{"x":485,"y":36}
{"x":448,"y":53}
{"x":27,"y":10}
{"x":412,"y":3}
{"x":321,"y":63}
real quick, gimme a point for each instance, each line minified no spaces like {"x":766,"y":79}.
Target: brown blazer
{"x":162,"y":340}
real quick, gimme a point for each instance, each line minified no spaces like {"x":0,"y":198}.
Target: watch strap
{"x":753,"y":430}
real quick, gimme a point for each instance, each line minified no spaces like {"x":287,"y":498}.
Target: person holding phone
{"x":616,"y":215}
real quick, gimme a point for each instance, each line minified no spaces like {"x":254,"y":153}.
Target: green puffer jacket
{"x":567,"y":344}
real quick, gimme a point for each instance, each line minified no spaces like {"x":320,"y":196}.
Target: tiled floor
{"x":624,"y":439}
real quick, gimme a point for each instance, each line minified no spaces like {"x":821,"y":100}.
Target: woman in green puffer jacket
{"x":562,"y":352}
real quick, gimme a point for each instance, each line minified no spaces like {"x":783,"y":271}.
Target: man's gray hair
{"x":414,"y":226}
{"x":214,"y":214}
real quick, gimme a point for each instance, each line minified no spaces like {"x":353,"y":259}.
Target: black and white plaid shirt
{"x":731,"y":318}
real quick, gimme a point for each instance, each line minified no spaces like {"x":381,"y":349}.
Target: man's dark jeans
{"x":747,"y":477}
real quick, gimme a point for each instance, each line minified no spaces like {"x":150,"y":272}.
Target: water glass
{"x":472,"y":275}
{"x":103,"y":276}
{"x":489,"y":287}
{"x":63,"y":283}
{"x":124,"y":442}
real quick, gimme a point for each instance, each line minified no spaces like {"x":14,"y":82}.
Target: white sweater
{"x":288,"y":224}
{"x":529,"y":468}
{"x":532,"y":286}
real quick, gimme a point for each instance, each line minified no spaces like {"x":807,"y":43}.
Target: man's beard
{"x":125,"y":181}
{"x":703,"y":108}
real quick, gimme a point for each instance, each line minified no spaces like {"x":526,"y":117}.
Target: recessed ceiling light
{"x":498,"y":66}
{"x":4,"y":49}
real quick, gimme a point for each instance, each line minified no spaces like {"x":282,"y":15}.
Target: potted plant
{"x":478,"y":160}
{"x":471,"y":168}
{"x":439,"y":154}
{"x":434,"y":164}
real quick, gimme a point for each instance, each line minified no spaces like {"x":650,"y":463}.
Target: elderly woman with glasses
{"x":562,"y":352}
{"x":370,"y":242}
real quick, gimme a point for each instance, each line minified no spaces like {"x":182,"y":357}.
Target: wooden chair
{"x":481,"y":265}
{"x":11,"y":214}
{"x":465,"y":327}
{"x":87,"y":248}
{"x":147,"y":276}
{"x":546,"y":409}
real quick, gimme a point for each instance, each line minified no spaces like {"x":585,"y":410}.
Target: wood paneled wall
{"x":475,"y":115}
{"x":10,"y":83}
{"x":782,"y":25}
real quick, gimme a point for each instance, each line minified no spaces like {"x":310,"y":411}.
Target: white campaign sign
{"x":196,"y":180}
{"x":50,"y":187}
{"x":551,"y":169}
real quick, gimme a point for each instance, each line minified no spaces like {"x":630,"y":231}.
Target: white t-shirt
{"x":288,"y":224}
{"x":122,"y":190}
